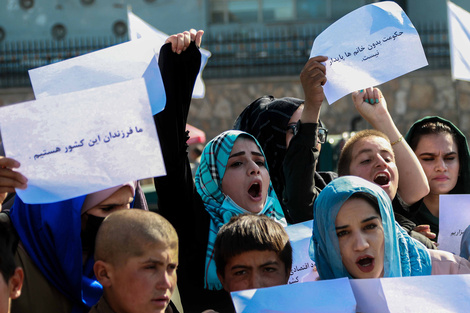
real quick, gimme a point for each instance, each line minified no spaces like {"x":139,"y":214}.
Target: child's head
{"x":252,"y":251}
{"x":136,"y":256}
{"x":11,"y":278}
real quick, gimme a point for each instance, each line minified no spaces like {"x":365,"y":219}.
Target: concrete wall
{"x":409,"y":98}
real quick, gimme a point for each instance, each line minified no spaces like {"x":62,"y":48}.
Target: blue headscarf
{"x":403,"y":256}
{"x":50,"y":234}
{"x":221,"y":208}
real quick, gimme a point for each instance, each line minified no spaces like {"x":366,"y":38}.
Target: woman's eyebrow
{"x":370,"y":219}
{"x":237,"y":154}
{"x":363,"y":221}
{"x":257,"y":153}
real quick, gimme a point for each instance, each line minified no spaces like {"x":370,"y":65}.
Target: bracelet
{"x":397,"y":141}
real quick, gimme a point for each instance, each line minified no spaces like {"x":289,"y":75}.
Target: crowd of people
{"x":221,"y":228}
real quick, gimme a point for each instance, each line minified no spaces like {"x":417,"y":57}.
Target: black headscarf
{"x":266,"y":119}
{"x":463,"y":182}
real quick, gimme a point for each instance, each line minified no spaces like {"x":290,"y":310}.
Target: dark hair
{"x":430,"y":128}
{"x":248,"y":232}
{"x":266,"y":119}
{"x":345,"y":157}
{"x":8,"y":244}
{"x":369,"y":198}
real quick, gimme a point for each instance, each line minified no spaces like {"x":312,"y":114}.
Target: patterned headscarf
{"x":266,"y":119}
{"x":220,"y":207}
{"x":403,"y":256}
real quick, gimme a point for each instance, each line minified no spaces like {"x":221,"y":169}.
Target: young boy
{"x":11,"y":278}
{"x":136,"y":257}
{"x":252,"y":251}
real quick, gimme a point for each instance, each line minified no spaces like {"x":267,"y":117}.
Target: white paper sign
{"x":454,"y":218}
{"x":319,"y":296}
{"x":78,"y":143}
{"x":138,"y":28}
{"x":303,"y":268}
{"x":119,"y":63}
{"x":434,"y":293}
{"x":368,"y":47}
{"x":459,"y":41}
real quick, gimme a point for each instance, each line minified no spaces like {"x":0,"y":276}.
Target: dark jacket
{"x":421,"y":215}
{"x":178,"y":200}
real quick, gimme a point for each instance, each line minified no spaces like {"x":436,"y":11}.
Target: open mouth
{"x":255,"y":190}
{"x":382,"y":179}
{"x":366,"y":264}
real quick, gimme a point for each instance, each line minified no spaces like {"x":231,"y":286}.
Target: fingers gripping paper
{"x":368,"y":47}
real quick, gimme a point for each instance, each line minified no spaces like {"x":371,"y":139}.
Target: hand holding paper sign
{"x":313,"y":79}
{"x":79,"y":143}
{"x":9,"y":178}
{"x":180,"y":42}
{"x":368,"y":47}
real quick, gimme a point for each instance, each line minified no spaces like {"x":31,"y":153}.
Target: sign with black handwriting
{"x":78,"y":143}
{"x":454,"y":218}
{"x":303,"y":268}
{"x":368,"y":47}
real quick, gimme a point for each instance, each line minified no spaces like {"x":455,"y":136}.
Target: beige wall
{"x":409,"y":98}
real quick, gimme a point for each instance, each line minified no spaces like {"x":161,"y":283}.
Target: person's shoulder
{"x":445,"y":263}
{"x":101,"y":307}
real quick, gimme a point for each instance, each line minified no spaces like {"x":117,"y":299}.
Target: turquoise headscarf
{"x":403,"y":256}
{"x":221,"y":208}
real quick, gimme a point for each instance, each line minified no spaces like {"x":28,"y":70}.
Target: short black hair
{"x":8,"y":245}
{"x":248,"y":232}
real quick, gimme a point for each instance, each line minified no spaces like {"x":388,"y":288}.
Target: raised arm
{"x":413,"y":184}
{"x":299,"y":168}
{"x":179,"y":63}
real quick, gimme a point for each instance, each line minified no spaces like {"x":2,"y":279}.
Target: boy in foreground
{"x":136,"y":257}
{"x":252,"y":251}
{"x":11,"y":278}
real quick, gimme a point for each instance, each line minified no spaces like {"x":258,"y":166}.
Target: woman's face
{"x":246,"y":178}
{"x":293,"y":121}
{"x":439,"y":157}
{"x":373,"y":160}
{"x":361,"y":239}
{"x":119,"y":200}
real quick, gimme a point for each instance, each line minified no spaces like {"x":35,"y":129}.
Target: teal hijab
{"x":220,"y":207}
{"x":403,"y":256}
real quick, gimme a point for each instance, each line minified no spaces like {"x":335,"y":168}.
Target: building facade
{"x":258,"y":47}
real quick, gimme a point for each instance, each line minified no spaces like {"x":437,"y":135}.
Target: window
{"x":311,"y":9}
{"x":268,"y":11}
{"x":278,"y":10}
{"x":242,"y":11}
